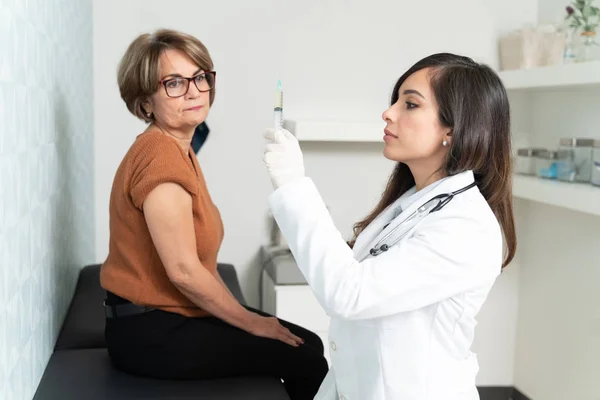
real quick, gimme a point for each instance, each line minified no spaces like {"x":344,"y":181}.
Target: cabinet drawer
{"x":297,"y":304}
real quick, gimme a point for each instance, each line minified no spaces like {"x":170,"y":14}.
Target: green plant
{"x":583,"y":14}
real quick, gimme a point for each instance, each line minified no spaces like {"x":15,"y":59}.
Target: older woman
{"x":169,"y":314}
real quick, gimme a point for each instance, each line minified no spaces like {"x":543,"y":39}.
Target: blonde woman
{"x":169,"y":314}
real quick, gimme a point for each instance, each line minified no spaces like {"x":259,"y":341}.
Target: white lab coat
{"x":402,"y":323}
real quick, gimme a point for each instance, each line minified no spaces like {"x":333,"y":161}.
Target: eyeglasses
{"x":177,"y":87}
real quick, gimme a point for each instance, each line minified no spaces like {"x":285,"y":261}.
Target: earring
{"x":445,"y":143}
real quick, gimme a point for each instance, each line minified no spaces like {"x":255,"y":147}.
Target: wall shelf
{"x":330,"y":131}
{"x":567,"y":75}
{"x":580,"y":197}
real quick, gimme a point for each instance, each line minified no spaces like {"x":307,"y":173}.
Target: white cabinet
{"x":285,"y":294}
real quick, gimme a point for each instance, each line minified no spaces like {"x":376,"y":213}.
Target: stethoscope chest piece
{"x":381,"y":249}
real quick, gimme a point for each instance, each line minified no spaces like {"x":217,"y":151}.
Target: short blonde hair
{"x":139,"y":70}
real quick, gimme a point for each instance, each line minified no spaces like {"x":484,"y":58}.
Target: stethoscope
{"x":432,"y":205}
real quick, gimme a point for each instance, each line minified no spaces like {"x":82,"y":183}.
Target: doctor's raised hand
{"x":404,"y":292}
{"x":283,"y":157}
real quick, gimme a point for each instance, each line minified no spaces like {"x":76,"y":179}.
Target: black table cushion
{"x":84,"y":323}
{"x":83,"y":327}
{"x":87,"y":374}
{"x":229,"y":276}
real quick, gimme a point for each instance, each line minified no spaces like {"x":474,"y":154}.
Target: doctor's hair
{"x":139,"y":72}
{"x":473,"y":103}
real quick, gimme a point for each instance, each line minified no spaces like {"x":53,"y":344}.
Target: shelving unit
{"x":567,"y":75}
{"x":580,"y":197}
{"x":332,"y":131}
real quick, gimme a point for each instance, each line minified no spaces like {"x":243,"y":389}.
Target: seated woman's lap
{"x":165,"y":345}
{"x":310,"y":338}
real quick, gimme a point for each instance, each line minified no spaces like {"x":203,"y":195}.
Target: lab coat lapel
{"x":362,"y":244}
{"x":374,"y":235}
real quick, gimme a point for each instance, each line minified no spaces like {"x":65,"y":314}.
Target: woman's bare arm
{"x":168,"y":213}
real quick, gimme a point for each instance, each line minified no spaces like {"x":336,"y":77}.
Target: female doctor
{"x":403,"y":297}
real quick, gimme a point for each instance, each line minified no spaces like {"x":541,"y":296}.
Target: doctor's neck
{"x":425,"y":176}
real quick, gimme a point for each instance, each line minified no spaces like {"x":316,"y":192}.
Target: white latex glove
{"x":283,"y":157}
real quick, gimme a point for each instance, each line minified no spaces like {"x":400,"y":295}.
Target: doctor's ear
{"x":447,"y":139}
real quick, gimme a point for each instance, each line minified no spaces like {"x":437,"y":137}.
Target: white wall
{"x":552,"y":11}
{"x":46,"y":160}
{"x":495,"y":335}
{"x":558,"y":335}
{"x":337,"y":60}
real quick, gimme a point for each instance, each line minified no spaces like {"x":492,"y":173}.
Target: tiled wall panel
{"x":46,"y":173}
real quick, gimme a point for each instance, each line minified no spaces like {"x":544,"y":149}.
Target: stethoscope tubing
{"x":447,"y":197}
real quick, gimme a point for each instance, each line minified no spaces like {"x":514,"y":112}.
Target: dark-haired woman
{"x":404,"y":295}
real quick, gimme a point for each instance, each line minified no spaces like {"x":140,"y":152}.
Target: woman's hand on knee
{"x":269,"y":327}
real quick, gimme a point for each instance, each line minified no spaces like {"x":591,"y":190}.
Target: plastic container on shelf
{"x":595,"y":179}
{"x":578,"y":168}
{"x":525,"y":161}
{"x":548,"y":161}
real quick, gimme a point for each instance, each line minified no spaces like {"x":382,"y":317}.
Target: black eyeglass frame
{"x":164,"y":83}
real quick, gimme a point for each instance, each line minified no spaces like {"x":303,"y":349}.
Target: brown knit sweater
{"x":133,"y":269}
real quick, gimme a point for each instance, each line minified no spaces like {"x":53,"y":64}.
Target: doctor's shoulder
{"x":470,"y":230}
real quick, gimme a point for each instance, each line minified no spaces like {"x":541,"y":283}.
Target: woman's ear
{"x":147,"y":108}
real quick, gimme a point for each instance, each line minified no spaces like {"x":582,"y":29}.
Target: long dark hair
{"x":473,"y":103}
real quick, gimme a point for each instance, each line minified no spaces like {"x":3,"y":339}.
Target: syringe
{"x":278,"y":109}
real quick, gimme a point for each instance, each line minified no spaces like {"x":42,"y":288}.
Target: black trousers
{"x":165,"y":345}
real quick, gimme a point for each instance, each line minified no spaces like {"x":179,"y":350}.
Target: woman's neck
{"x":184,"y":139}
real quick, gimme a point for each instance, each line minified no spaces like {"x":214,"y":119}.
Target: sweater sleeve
{"x":159,"y":160}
